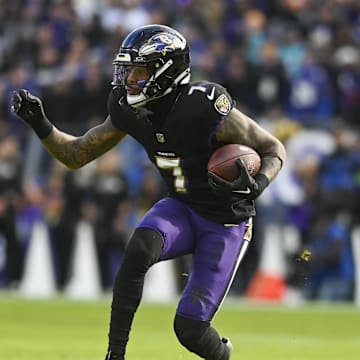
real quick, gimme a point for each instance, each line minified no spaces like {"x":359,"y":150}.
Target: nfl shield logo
{"x":160,"y":137}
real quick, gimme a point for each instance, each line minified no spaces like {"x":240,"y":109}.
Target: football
{"x":223,"y":161}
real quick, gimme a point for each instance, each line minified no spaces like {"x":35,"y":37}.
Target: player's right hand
{"x":28,"y":107}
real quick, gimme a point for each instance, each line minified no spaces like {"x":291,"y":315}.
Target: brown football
{"x":223,"y":161}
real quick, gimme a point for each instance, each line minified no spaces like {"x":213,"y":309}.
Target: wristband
{"x":43,"y":128}
{"x":262,"y":182}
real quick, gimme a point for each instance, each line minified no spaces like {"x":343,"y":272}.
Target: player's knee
{"x":189,"y":332}
{"x":144,"y":248}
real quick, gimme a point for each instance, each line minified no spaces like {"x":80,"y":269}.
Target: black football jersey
{"x":178,"y":134}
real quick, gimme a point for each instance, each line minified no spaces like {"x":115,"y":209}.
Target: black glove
{"x":244,"y":187}
{"x":30,"y":109}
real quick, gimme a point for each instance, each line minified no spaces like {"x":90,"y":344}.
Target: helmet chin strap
{"x":136,"y":101}
{"x":141,"y":99}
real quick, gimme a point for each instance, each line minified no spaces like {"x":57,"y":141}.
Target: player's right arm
{"x":72,"y":151}
{"x":75,"y":152}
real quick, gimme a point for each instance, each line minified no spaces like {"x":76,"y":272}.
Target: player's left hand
{"x":244,"y":187}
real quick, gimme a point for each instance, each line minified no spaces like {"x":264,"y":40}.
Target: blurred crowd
{"x":292,"y":65}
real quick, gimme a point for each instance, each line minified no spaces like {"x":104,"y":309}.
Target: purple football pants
{"x":216,"y":250}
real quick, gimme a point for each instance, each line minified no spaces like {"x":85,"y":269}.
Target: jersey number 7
{"x":174,"y":165}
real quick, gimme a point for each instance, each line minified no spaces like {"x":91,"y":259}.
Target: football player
{"x":179,"y":123}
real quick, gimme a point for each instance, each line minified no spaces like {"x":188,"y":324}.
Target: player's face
{"x":136,"y":77}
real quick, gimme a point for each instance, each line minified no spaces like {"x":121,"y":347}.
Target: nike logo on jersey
{"x":246,"y":191}
{"x":211,"y":96}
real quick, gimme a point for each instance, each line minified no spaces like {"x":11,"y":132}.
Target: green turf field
{"x":64,"y":330}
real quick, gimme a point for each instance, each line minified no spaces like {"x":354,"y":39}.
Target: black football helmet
{"x":164,"y":52}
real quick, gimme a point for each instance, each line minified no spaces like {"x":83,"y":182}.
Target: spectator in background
{"x":268,"y":84}
{"x":92,"y":92}
{"x":330,"y":273}
{"x":61,"y":18}
{"x":337,"y":183}
{"x":76,"y":58}
{"x":10,"y":189}
{"x":197,"y":43}
{"x":219,"y":50}
{"x":311,"y":95}
{"x":255,"y":29}
{"x":126,"y":14}
{"x":346,"y":75}
{"x":54,"y":192}
{"x":75,"y":207}
{"x":292,"y":49}
{"x":109,"y":188}
{"x":62,"y":98}
{"x":47,"y":63}
{"x":95,"y":33}
{"x":331,"y":189}
{"x":236,"y":78}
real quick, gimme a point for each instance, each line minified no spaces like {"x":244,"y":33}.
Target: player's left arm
{"x":238,"y":128}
